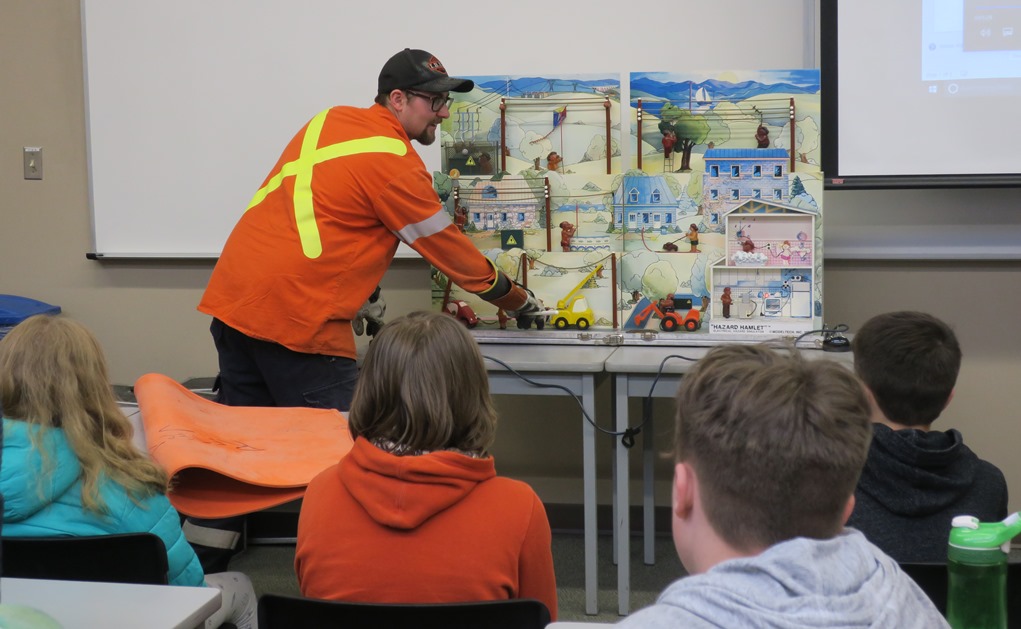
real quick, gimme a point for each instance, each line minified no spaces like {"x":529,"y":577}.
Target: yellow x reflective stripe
{"x":301,"y":170}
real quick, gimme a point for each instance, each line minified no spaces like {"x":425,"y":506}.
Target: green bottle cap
{"x":968,"y":534}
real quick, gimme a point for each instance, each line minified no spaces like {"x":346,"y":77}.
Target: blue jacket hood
{"x":23,"y":467}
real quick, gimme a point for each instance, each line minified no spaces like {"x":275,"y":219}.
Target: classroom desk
{"x":634,"y":371}
{"x":574,"y":367}
{"x":134,"y":415}
{"x":114,"y":605}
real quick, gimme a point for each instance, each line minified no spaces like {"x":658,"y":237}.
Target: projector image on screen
{"x":922,"y":91}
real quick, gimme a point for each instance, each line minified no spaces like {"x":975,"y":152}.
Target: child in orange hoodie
{"x":415,"y":513}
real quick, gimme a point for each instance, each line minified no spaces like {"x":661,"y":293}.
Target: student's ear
{"x":871,"y":396}
{"x":848,"y":509}
{"x":949,"y":397}
{"x":683,"y":493}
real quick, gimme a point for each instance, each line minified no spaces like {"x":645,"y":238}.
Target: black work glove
{"x":528,"y":312}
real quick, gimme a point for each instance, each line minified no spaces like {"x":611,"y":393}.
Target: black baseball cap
{"x":420,"y":70}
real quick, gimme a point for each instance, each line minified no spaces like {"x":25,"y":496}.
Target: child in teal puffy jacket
{"x":69,"y":464}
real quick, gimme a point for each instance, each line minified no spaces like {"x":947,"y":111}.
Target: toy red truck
{"x":461,"y":311}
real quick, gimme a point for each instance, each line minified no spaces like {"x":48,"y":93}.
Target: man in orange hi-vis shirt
{"x":320,"y":233}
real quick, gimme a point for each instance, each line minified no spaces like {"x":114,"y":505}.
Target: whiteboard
{"x":189,"y":103}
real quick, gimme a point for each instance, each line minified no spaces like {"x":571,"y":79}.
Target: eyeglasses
{"x":436,"y":101}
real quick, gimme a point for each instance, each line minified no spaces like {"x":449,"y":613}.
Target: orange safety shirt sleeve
{"x":438,"y":239}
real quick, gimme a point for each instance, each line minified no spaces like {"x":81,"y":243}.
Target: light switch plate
{"x":33,"y":162}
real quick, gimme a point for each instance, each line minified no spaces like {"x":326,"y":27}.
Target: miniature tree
{"x":797,"y":188}
{"x":691,"y":130}
{"x":806,"y":139}
{"x":659,"y":280}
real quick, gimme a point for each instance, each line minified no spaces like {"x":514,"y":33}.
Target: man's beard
{"x":428,"y":135}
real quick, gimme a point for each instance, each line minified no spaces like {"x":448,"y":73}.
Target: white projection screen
{"x":921,"y":94}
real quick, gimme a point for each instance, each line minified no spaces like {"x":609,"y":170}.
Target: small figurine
{"x":566,"y":234}
{"x":762,"y":137}
{"x":460,"y":217}
{"x":785,"y":253}
{"x":726,"y":299}
{"x":669,"y":139}
{"x":553,"y":161}
{"x":502,"y":318}
{"x":692,"y":237}
{"x":667,"y":303}
{"x":485,"y":163}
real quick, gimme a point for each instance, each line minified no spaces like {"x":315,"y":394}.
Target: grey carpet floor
{"x":271,"y":568}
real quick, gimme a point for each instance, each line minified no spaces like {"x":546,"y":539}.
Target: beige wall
{"x":144,"y":313}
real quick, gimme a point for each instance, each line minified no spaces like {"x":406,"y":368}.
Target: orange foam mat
{"x":232,"y":460}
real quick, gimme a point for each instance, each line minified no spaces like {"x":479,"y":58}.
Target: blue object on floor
{"x":15,"y":309}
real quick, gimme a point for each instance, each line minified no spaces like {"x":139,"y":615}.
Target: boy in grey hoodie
{"x":767,"y":452}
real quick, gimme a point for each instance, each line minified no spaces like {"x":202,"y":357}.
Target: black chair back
{"x":932,"y":578}
{"x":125,"y":558}
{"x":278,"y":612}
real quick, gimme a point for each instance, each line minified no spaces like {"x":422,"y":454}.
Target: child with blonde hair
{"x":70,"y":466}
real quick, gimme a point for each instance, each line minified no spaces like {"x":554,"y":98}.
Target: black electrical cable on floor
{"x":647,"y":400}
{"x":552,"y":386}
{"x":628,"y":434}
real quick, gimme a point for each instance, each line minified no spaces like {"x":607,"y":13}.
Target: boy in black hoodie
{"x":916,"y":479}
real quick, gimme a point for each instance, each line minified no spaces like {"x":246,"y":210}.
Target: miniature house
{"x":736,"y":175}
{"x":503,"y":204}
{"x":645,"y":203}
{"x":768,"y":275}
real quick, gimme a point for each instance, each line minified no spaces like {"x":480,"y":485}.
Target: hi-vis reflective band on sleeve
{"x":422,"y":229}
{"x":301,"y":170}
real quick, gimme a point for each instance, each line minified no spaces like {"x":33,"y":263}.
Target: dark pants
{"x":260,"y":373}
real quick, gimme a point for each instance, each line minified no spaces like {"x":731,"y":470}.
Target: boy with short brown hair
{"x":916,"y":479}
{"x":768,"y":451}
